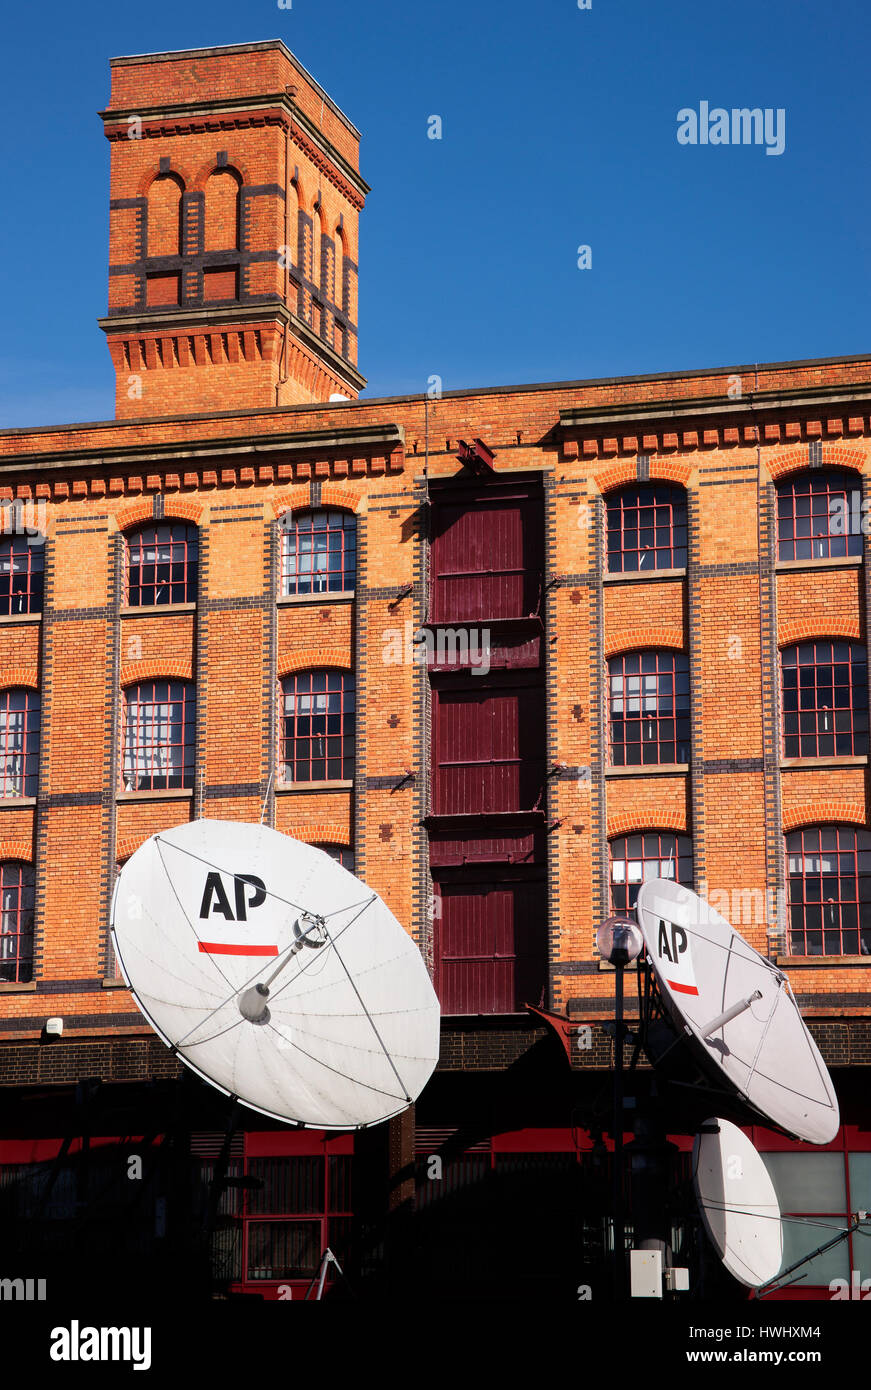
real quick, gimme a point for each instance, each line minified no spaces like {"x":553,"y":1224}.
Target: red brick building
{"x":505,"y":651}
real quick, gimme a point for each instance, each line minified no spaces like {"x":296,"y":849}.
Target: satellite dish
{"x":738,"y":1010}
{"x":738,"y":1203}
{"x":275,"y":974}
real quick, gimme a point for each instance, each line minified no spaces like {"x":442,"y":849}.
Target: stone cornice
{"x":382,"y":439}
{"x":234,"y":113}
{"x":682,"y":407}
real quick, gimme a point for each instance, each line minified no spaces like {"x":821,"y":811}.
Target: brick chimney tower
{"x":235,"y":196}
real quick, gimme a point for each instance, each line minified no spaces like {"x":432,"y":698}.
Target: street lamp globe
{"x":619,"y":940}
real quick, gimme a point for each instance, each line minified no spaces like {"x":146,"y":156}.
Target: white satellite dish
{"x":738,"y":1010}
{"x":275,"y":974}
{"x":738,"y":1203}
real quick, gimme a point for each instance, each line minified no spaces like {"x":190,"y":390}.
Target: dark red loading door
{"x":486,"y":560}
{"x":488,"y":747}
{"x":490,"y":952}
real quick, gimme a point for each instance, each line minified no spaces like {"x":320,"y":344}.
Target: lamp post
{"x":619,"y":941}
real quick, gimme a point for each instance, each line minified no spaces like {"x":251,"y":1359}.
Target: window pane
{"x":808,"y":1182}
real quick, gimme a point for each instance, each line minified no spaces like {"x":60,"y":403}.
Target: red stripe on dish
{"x":217,"y":948}
{"x":681,"y":989}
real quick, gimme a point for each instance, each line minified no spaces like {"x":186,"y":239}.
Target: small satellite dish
{"x":275,"y":974}
{"x":738,"y":1203}
{"x":738,"y":1011}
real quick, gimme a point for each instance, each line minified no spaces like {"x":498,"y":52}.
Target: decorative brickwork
{"x":824,"y":812}
{"x":822,"y":625}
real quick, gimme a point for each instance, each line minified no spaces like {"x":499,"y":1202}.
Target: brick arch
{"x":234,"y":166}
{"x":824,"y":812}
{"x":294,"y":499}
{"x":152,"y":175}
{"x":298,"y":499}
{"x":20,"y":850}
{"x":321,"y":833}
{"x":795,"y":459}
{"x":636,"y":823}
{"x":334,"y":495}
{"x":626,"y":471}
{"x":304,"y":202}
{"x":644,"y":639}
{"x":314,"y":659}
{"x":822,"y":628}
{"x":12,"y":677}
{"x":175,"y":509}
{"x":129,"y":845}
{"x":156,"y":670}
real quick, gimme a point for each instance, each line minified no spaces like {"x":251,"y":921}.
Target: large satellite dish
{"x":738,"y":1203}
{"x":275,"y":974}
{"x":738,"y":1010}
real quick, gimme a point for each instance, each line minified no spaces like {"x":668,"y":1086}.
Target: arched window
{"x":159,"y":735}
{"x":817,"y":515}
{"x":315,"y":275}
{"x":22,"y":565}
{"x":164,"y":216}
{"x":318,"y":726}
{"x":19,"y":742}
{"x":342,"y":855}
{"x":650,"y":708}
{"x":653,"y":854}
{"x":162,"y":564}
{"x":222,"y":210}
{"x":319,"y":553}
{"x":328,"y":256}
{"x":829,"y":891}
{"x":339,"y":270}
{"x":647,"y":528}
{"x":16,"y":922}
{"x":825,"y":699}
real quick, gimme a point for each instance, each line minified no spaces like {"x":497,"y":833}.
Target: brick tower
{"x":235,"y":196}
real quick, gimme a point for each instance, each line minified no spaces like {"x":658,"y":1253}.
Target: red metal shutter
{"x":487,"y":560}
{"x":483,"y":740}
{"x":490,"y":951}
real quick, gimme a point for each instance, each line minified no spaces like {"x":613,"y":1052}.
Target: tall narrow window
{"x":653,"y":854}
{"x":164,"y":216}
{"x":818,"y":516}
{"x":162,"y":565}
{"x":16,"y":922}
{"x":159,"y":735}
{"x":829,"y":891}
{"x":21,"y":576}
{"x":317,"y":734}
{"x":319,"y":553}
{"x":19,"y":742}
{"x":650,"y":708}
{"x":222,"y":210}
{"x":647,"y":528}
{"x":825,"y":700}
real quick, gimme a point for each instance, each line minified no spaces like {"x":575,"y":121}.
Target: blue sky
{"x":559,"y":130}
